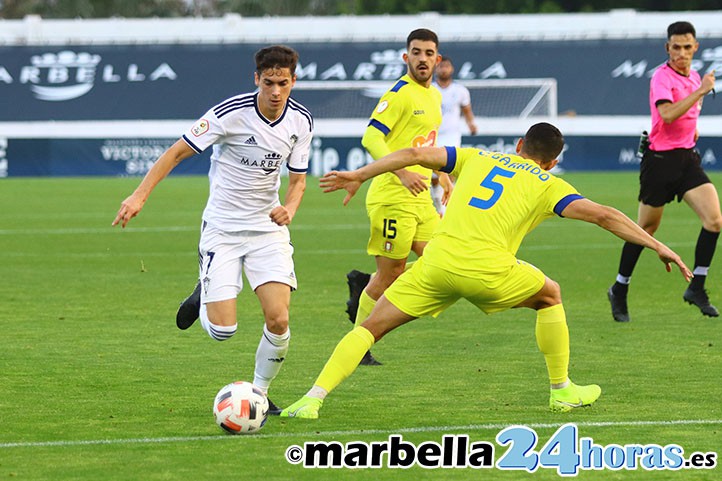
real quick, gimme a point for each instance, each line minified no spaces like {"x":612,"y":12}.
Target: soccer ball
{"x":240,"y":408}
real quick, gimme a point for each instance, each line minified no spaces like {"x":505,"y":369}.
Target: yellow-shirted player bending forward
{"x":498,"y":199}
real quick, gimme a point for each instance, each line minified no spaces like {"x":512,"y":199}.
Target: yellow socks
{"x":345,"y":358}
{"x":552,"y":337}
{"x":365,"y":306}
{"x":366,"y":303}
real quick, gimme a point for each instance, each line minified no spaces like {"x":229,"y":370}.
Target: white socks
{"x":270,"y":355}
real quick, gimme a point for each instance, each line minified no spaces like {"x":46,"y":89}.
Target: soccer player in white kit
{"x":244,"y":227}
{"x":455,"y":102}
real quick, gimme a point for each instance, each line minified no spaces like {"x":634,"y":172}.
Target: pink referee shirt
{"x":667,"y":84}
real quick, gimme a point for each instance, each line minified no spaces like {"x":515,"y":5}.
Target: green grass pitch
{"x":97,"y":382}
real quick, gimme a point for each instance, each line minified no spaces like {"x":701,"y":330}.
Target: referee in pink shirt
{"x":671,"y":167}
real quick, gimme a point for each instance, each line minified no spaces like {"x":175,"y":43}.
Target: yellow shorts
{"x":429,"y":290}
{"x":395,"y":227}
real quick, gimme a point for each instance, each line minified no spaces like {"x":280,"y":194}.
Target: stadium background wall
{"x":109,"y":109}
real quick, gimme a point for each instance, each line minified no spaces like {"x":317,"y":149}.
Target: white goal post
{"x":508,"y":98}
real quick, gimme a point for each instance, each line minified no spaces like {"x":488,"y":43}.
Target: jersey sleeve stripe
{"x":450,"y":160}
{"x":380,"y":126}
{"x":562,"y":204}
{"x":238,"y":98}
{"x":299,"y":106}
{"x":228,"y":108}
{"x":304,"y":112}
{"x":296,"y":171}
{"x":191,"y":144}
{"x":398,"y":85}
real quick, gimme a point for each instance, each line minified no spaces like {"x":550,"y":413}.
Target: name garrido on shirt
{"x":529,"y":167}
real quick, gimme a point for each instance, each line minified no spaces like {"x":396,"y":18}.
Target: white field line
{"x":111,"y":230}
{"x":329,"y":434}
{"x":143,"y":255}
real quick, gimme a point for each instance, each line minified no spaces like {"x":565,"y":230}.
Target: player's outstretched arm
{"x":625,"y":228}
{"x":431,"y":157}
{"x":132,"y":205}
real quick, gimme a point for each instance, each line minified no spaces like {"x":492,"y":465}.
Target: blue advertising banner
{"x":127,"y":82}
{"x":127,"y":157}
{"x":99,"y":157}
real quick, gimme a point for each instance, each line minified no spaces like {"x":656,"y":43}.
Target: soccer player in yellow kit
{"x":401,"y":213}
{"x":498,"y":199}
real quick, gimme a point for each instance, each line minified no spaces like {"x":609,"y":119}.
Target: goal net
{"x":509,"y":98}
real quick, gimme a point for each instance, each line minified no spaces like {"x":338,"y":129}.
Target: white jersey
{"x":248,"y":152}
{"x":453,"y":98}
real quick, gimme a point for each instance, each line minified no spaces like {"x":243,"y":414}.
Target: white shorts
{"x":224,"y":256}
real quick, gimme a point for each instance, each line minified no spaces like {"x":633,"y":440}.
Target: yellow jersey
{"x":498,"y":199}
{"x":408,"y":115}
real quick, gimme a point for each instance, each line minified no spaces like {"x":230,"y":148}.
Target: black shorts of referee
{"x":668,"y":174}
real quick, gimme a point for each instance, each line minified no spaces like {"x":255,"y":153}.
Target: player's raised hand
{"x":337,"y":180}
{"x":708,"y":81}
{"x":129,"y":208}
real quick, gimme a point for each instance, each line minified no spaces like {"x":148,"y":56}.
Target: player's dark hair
{"x":680,"y":28}
{"x":543,"y":142}
{"x":446,"y":58}
{"x":276,"y":56}
{"x":423,"y":34}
